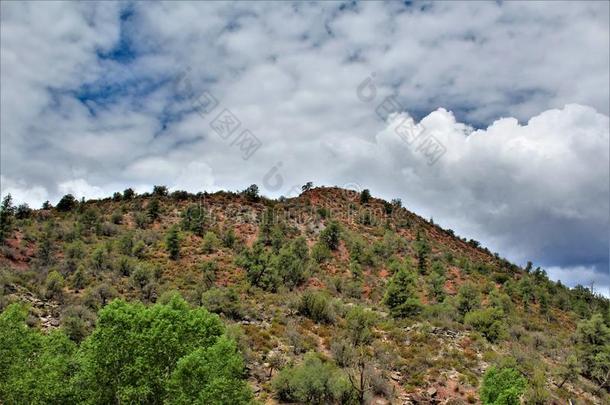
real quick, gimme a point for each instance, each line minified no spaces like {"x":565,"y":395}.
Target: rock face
{"x":46,"y":312}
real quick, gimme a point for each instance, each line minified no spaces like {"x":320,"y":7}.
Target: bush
{"x":329,"y":237}
{"x":400,"y":295}
{"x":502,"y":386}
{"x":489,"y":322}
{"x":193,"y":219}
{"x":54,"y":285}
{"x":160,"y":191}
{"x":468,"y":298}
{"x":313,"y":382}
{"x":224,"y":301}
{"x":210,"y":242}
{"x":316,"y":305}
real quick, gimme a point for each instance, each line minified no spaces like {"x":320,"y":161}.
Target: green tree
{"x":172,"y":243}
{"x":251,"y":193}
{"x":291,"y":262}
{"x":34,"y":367}
{"x":359,"y":323}
{"x":132,"y":354}
{"x":330,"y":235}
{"x":502,"y":386}
{"x":67,"y":203}
{"x":593,"y":348}
{"x":7,"y":212}
{"x":365,"y":196}
{"x":194,"y":219}
{"x":211,"y":375}
{"x":152,"y":210}
{"x":400,"y":294}
{"x":468,"y":298}
{"x":259,"y":269}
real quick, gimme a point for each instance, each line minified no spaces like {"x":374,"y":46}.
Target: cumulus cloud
{"x":96,"y":97}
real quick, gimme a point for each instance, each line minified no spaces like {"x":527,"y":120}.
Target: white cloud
{"x":533,"y":187}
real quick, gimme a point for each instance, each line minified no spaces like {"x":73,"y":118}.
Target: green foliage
{"x":400,"y":295}
{"x":365,"y":196}
{"x":330,"y":235}
{"x":172,"y":243}
{"x":144,"y":354}
{"x":593,"y":346}
{"x":502,"y":386}
{"x":34,"y":367}
{"x":229,"y":238}
{"x":152,"y":211}
{"x":291,"y":262}
{"x":312,"y":382}
{"x":211,"y":375}
{"x":317,"y":306}
{"x":224,"y":301}
{"x":7,"y":212}
{"x":422,"y":249}
{"x":489,"y":322}
{"x":320,"y":252}
{"x":251,"y":193}
{"x":54,"y":285}
{"x":128,"y":194}
{"x":210,"y":242}
{"x":259,"y":271}
{"x":359,"y":323}
{"x":468,"y":298}
{"x":160,"y":191}
{"x":194,"y":219}
{"x":66,"y":203}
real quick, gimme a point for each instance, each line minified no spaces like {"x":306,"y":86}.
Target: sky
{"x":490,"y":117}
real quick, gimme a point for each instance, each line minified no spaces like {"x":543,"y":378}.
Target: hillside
{"x":331,"y":297}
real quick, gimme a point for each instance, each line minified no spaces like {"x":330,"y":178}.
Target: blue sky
{"x":96,"y":97}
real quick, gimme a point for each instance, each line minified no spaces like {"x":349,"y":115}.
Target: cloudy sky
{"x":492,"y":118}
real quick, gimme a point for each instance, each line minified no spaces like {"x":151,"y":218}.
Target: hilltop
{"x":330,"y":297}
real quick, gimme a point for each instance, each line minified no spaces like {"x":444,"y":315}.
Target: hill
{"x":329,"y":297}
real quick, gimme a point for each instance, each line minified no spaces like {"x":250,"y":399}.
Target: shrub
{"x":320,"y":252}
{"x":593,"y":346}
{"x":400,"y":295}
{"x":359,"y":323}
{"x":54,"y":285}
{"x":468,"y":298}
{"x":153,"y":209}
{"x":210,"y":242}
{"x":502,"y":386}
{"x":312,"y":382}
{"x":489,"y":322}
{"x":193,"y":219}
{"x":329,"y":237}
{"x":316,"y":305}
{"x":224,"y":301}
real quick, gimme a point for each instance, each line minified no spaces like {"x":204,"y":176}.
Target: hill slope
{"x":379,"y":304}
